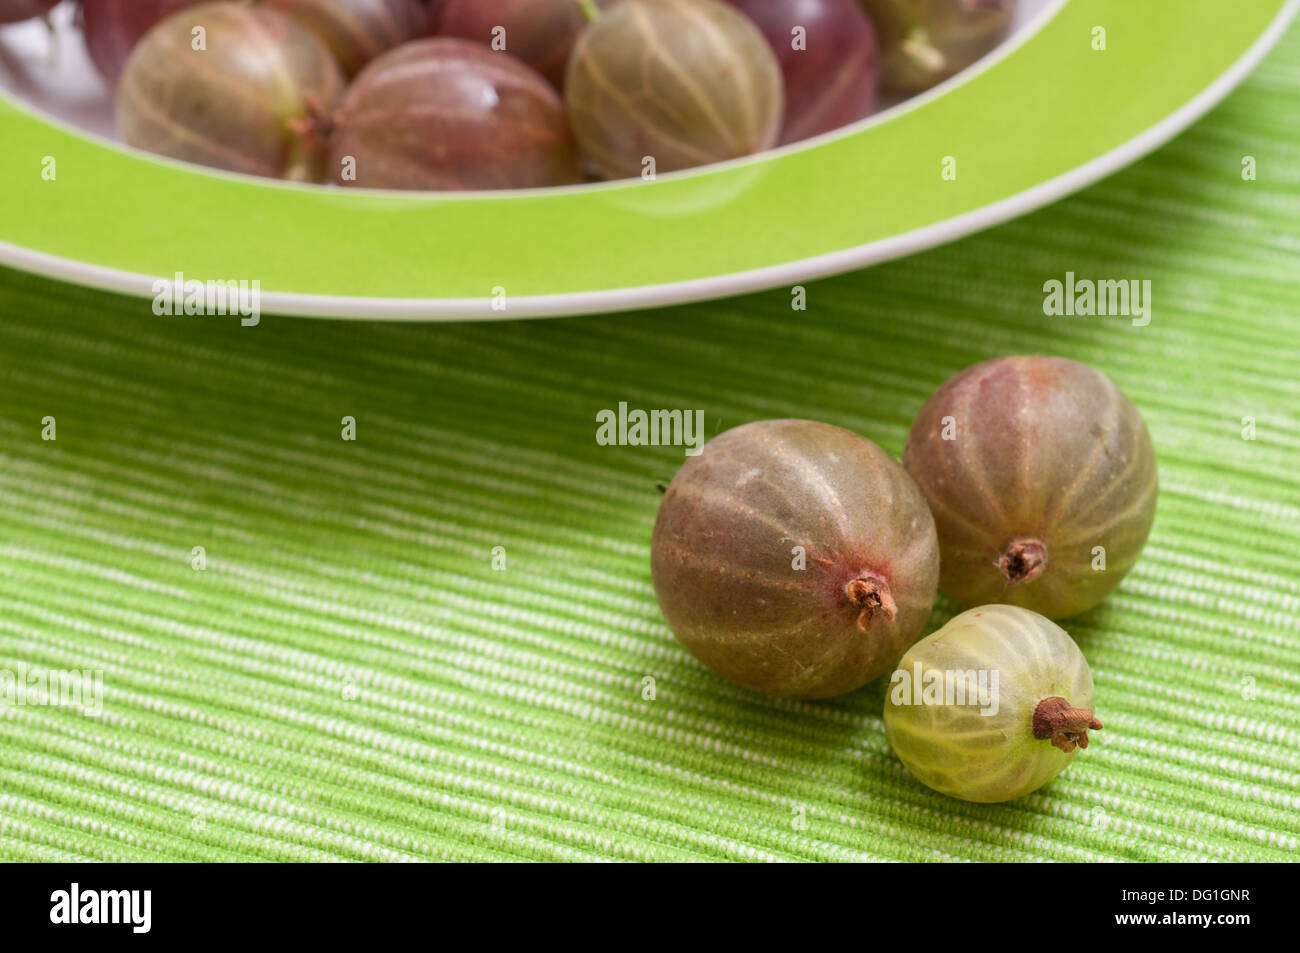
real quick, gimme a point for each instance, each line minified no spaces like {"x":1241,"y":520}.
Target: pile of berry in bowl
{"x":508,"y":94}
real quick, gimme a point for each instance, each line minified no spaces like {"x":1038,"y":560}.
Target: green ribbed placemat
{"x":349,"y":677}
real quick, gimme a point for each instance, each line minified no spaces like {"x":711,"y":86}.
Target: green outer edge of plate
{"x":119,"y":217}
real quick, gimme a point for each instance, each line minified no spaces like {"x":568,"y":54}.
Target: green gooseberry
{"x":992,"y":706}
{"x":230,"y":86}
{"x":672,"y":84}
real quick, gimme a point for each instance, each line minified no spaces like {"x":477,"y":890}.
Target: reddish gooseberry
{"x":451,"y":114}
{"x":358,"y":30}
{"x":112,"y":28}
{"x":1042,"y":479}
{"x":795,"y":558}
{"x":15,"y":11}
{"x":539,"y":32}
{"x":829,"y":57}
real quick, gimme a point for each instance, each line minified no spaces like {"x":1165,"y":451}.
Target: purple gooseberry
{"x":112,"y":28}
{"x":795,"y":558}
{"x":1042,"y":479}
{"x":829,"y":57}
{"x":357,"y":31}
{"x":539,"y":32}
{"x":240,"y":94}
{"x":451,"y":114}
{"x":663,"y":85}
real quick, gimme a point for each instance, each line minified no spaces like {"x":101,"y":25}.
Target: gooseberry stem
{"x":1065,"y":725}
{"x":589,"y":9}
{"x":310,"y":131}
{"x":918,"y":47}
{"x":1024,"y":558}
{"x":871,"y":595}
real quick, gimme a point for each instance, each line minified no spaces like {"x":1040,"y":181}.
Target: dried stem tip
{"x":917,"y":47}
{"x":870,"y":594}
{"x":1054,"y":718}
{"x":1024,"y":559}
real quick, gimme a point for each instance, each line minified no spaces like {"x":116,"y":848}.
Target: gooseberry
{"x":829,"y":58}
{"x":927,"y":41}
{"x":662,"y":85}
{"x":357,"y":31}
{"x":1042,"y":479}
{"x":991,"y":706}
{"x":15,"y":11}
{"x":112,"y":28}
{"x":239,"y":100}
{"x":451,"y":114}
{"x":794,"y":558}
{"x":539,"y":32}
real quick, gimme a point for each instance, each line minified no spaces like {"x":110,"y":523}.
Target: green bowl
{"x":1043,"y":116}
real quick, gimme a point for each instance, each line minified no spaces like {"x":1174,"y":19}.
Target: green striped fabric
{"x":349,"y":677}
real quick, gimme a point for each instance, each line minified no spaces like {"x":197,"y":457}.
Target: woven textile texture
{"x":348,"y":677}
